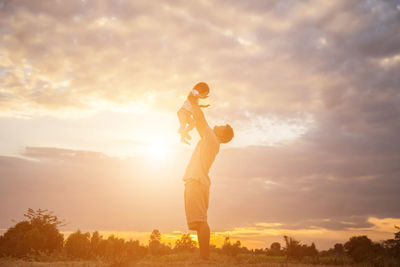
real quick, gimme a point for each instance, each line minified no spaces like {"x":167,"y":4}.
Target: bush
{"x":362,"y":249}
{"x":38,"y":234}
{"x":156,"y":248}
{"x":134,"y":250}
{"x":229,"y":249}
{"x":294,"y":250}
{"x":185,"y":244}
{"x":392,"y":246}
{"x":78,"y":245}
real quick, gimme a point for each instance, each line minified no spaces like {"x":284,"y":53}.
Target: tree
{"x":155,"y":245}
{"x":38,"y":233}
{"x":293,"y":247}
{"x":113,"y":249}
{"x":155,"y":236}
{"x":338,"y":249}
{"x":95,"y":242}
{"x":185,"y":244}
{"x":155,"y":242}
{"x":229,"y":249}
{"x":78,"y":245}
{"x":361,"y":248}
{"x":311,"y":250}
{"x":276,"y":246}
{"x":295,"y":250}
{"x":275,"y":249}
{"x":392,"y":246}
{"x":135,"y":250}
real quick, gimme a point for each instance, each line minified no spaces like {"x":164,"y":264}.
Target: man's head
{"x":224,"y":133}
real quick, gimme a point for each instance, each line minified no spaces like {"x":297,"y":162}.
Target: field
{"x":187,"y":259}
{"x":144,"y":263}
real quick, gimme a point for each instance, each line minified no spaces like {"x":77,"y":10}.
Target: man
{"x":197,"y":181}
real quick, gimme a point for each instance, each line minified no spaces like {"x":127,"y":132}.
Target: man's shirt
{"x":203,"y":157}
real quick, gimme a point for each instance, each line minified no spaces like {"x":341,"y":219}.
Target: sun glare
{"x":157,"y":151}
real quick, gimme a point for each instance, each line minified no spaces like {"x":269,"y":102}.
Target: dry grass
{"x":142,"y":263}
{"x":20,"y":263}
{"x":168,"y":260}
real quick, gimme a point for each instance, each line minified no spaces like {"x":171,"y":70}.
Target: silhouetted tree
{"x":275,"y":249}
{"x":361,"y":248}
{"x":78,"y":245}
{"x":155,"y":242}
{"x":112,"y":248}
{"x":155,"y":245}
{"x":338,"y":249}
{"x":135,"y":250}
{"x":312,"y":250}
{"x":39,"y":233}
{"x":293,"y":247}
{"x":185,"y":244}
{"x":95,"y":241}
{"x":231,"y":249}
{"x":392,"y":246}
{"x":82,"y":245}
{"x":296,"y":251}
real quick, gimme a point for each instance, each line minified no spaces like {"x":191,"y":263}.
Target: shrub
{"x":78,"y":245}
{"x":361,"y":248}
{"x":38,"y":234}
{"x":229,"y":249}
{"x":155,"y":246}
{"x":185,"y":244}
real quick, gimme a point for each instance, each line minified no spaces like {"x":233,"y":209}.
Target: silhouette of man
{"x":197,"y":181}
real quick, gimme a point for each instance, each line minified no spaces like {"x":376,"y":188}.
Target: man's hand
{"x":204,"y":106}
{"x":198,"y":115}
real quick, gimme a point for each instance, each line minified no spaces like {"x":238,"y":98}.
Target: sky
{"x":89,"y":92}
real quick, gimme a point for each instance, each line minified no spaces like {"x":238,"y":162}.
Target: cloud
{"x":165,"y":48}
{"x":64,"y":155}
{"x":96,"y":55}
{"x":307,"y":181}
{"x":323,"y":74}
{"x":276,"y":186}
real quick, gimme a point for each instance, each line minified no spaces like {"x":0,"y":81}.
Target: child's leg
{"x":184,"y":117}
{"x":190,"y":126}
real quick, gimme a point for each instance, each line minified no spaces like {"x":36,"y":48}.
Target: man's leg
{"x":203,"y":235}
{"x":196,"y":205}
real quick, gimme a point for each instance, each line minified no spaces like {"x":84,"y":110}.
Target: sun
{"x":157,"y":151}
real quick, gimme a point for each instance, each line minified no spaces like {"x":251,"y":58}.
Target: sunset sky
{"x":89,"y":92}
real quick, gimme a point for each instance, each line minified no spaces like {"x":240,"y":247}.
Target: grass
{"x":181,"y":259}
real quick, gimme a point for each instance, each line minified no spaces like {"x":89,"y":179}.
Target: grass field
{"x":188,"y":259}
{"x":145,"y":263}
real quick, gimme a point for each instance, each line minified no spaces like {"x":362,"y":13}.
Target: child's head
{"x":202,"y":88}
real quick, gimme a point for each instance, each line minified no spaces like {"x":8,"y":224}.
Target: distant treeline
{"x":38,"y":238}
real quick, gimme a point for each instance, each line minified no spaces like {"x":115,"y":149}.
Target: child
{"x":185,"y":116}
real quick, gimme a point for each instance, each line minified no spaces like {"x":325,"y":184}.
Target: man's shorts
{"x":196,"y":202}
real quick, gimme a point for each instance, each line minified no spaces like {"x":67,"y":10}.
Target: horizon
{"x":89,"y":93}
{"x":217,"y":238}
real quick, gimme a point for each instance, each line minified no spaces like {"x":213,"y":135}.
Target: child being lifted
{"x":185,"y":115}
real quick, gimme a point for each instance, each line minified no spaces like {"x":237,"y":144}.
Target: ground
{"x":190,"y":259}
{"x":146,"y":263}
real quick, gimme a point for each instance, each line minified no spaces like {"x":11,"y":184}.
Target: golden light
{"x":157,"y":151}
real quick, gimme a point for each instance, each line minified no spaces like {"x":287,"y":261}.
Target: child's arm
{"x":198,"y":115}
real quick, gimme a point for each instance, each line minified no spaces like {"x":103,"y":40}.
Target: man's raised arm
{"x":199,"y":118}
